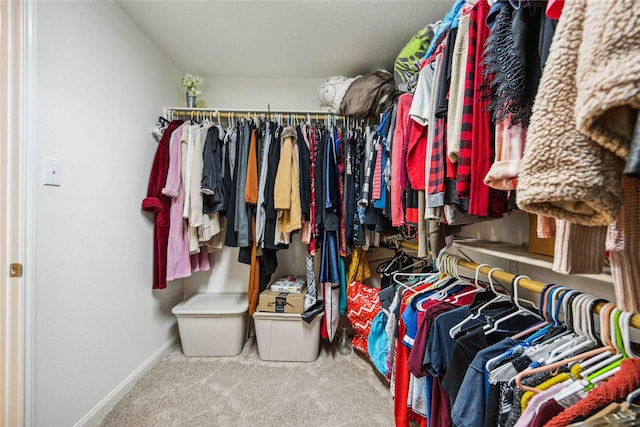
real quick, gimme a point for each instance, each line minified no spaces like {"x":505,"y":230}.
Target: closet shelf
{"x":521,"y":255}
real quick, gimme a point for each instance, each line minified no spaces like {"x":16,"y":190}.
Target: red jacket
{"x":158,"y":203}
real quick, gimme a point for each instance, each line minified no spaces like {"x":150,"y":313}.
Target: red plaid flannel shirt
{"x":466,"y":134}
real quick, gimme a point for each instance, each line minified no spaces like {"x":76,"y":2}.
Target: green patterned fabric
{"x":407,"y":65}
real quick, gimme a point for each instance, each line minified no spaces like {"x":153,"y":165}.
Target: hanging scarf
{"x":311,"y":247}
{"x":339,"y":153}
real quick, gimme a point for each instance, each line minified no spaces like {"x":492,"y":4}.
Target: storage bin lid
{"x":210,"y":303}
{"x":264,"y":315}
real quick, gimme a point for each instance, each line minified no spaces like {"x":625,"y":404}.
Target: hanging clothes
{"x":398,"y":156}
{"x":212,"y":185}
{"x":271,"y":217}
{"x":311,"y":247}
{"x":261,"y":215}
{"x":160,"y":204}
{"x":586,"y":190}
{"x":241,"y":220}
{"x":304,"y":163}
{"x":329,"y":270}
{"x":287,"y":187}
{"x":230,"y":177}
{"x":178,"y":263}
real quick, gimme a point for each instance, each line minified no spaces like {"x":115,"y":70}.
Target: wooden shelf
{"x":521,"y":255}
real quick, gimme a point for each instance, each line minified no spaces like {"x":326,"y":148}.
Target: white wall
{"x":512,"y":228}
{"x":101,"y":85}
{"x":257,"y":93}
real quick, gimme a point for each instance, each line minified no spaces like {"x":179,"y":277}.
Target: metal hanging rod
{"x":523,"y":283}
{"x":530,"y":285}
{"x":177,"y":112}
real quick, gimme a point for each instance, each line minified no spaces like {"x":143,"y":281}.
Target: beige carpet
{"x":335,"y":390}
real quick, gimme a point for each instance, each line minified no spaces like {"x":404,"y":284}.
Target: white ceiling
{"x":287,"y":39}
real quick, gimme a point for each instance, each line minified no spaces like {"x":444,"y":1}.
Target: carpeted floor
{"x":335,"y":390}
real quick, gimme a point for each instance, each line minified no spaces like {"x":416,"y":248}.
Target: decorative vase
{"x":344,"y":344}
{"x":191,"y":100}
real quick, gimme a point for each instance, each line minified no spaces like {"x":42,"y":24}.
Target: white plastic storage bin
{"x":286,"y":337}
{"x":212,"y":324}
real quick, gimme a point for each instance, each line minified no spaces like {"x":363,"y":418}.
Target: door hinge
{"x":15,"y":270}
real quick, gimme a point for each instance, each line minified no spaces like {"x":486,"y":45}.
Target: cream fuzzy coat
{"x":581,"y":123}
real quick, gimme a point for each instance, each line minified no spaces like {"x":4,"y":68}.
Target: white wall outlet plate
{"x":52,"y":172}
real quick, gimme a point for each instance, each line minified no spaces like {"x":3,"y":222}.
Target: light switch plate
{"x":52,"y":171}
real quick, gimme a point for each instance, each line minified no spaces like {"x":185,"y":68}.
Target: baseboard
{"x":110,"y":400}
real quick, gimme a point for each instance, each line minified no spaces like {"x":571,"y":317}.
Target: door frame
{"x":18,"y":153}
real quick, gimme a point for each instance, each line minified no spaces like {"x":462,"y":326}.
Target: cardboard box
{"x":537,"y":245}
{"x":282,"y":302}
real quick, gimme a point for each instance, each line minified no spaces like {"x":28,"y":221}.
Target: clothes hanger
{"x":549,"y":306}
{"x":409,"y":286}
{"x":568,"y":333}
{"x":632,"y":396}
{"x":458,"y":327}
{"x":477,"y":289}
{"x":558,"y":364}
{"x":519,"y":312}
{"x":608,"y":367}
{"x":625,"y":326}
{"x":395,"y":262}
{"x":437,"y":278}
{"x":498,"y":296}
{"x":584,"y":338}
{"x":585,"y":335}
{"x":570,"y":320}
{"x":420,"y":263}
{"x":543,"y":312}
{"x":451,"y":270}
{"x":414,"y":279}
{"x":575,"y":337}
{"x":556,"y":299}
{"x":594,"y":364}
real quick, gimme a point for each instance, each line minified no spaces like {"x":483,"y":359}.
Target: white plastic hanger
{"x":451,"y":269}
{"x":519,"y":312}
{"x":583,"y":339}
{"x":625,"y":326}
{"x":456,"y":328}
{"x":424,"y":276}
{"x":498,"y":296}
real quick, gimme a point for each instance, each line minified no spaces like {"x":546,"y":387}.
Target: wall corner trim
{"x":111,"y":399}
